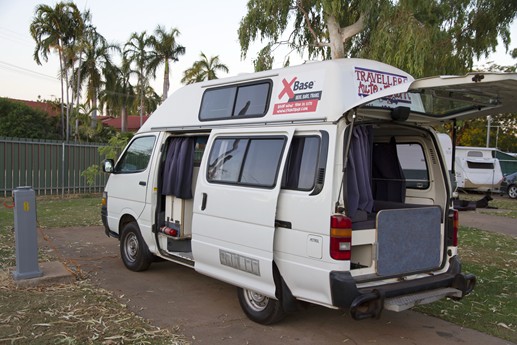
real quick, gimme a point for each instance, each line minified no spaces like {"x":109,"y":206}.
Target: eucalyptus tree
{"x":136,"y":52}
{"x":422,"y":37}
{"x":97,"y":58}
{"x":204,"y":69}
{"x":53,"y":29}
{"x":165,"y":49}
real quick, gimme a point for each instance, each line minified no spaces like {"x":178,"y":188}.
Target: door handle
{"x":283,"y":224}
{"x":142,"y":183}
{"x":203,"y":202}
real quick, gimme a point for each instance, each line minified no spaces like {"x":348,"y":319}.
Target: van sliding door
{"x":235,"y":205}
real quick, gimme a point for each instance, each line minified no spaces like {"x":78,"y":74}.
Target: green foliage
{"x":421,"y":37}
{"x":90,"y":174}
{"x":264,"y":60}
{"x":165,"y":50}
{"x":503,"y":132}
{"x":21,"y":121}
{"x":204,"y":69}
{"x":116,"y":144}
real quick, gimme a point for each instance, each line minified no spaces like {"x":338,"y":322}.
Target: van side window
{"x":302,"y":161}
{"x":246,"y":161}
{"x":246,"y":100}
{"x":414,"y":166}
{"x":137,"y":155}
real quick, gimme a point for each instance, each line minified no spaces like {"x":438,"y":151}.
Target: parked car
{"x":509,"y":185}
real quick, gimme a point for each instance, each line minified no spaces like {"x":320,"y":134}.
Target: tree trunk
{"x":141,"y":102}
{"x":78,"y":97}
{"x":123,"y":119}
{"x":67,"y":106}
{"x":339,"y":35}
{"x":94,"y":110}
{"x":337,"y":49}
{"x":166,"y":83}
{"x":62,"y":94}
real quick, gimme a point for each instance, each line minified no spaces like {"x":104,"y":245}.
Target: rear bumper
{"x":369,"y":302}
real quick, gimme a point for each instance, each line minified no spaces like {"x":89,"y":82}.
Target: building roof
{"x":47,"y":107}
{"x":133,"y":122}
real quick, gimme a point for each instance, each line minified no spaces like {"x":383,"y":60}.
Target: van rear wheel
{"x":260,"y":308}
{"x":133,"y":249}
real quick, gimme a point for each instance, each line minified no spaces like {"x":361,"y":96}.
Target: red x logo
{"x":287,"y":88}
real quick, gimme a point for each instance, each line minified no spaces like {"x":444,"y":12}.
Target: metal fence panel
{"x":49,"y":167}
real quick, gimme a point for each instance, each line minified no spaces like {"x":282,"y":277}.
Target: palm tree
{"x":165,"y":49}
{"x":54,"y":29}
{"x":118,"y":92}
{"x":204,"y":69}
{"x":97,"y":58}
{"x":135,"y":51}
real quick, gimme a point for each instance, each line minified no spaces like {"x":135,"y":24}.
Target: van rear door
{"x":235,"y":204}
{"x":449,"y":97}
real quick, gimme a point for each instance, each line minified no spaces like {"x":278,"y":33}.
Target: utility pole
{"x":489,"y":120}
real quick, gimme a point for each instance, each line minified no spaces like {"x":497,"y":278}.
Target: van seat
{"x":379,"y":205}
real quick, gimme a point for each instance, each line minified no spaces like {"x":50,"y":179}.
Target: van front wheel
{"x":133,"y":249}
{"x":260,"y":308}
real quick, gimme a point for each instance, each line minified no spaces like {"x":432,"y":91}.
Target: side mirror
{"x":108,"y":166}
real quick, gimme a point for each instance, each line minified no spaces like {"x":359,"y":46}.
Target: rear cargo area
{"x":396,"y":193}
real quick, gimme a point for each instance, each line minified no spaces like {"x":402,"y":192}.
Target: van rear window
{"x":414,"y":166}
{"x":235,"y":101}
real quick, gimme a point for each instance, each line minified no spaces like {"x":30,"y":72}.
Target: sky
{"x":206,"y":26}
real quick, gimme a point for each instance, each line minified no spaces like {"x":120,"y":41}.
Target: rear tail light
{"x":455,"y":228}
{"x":340,"y":237}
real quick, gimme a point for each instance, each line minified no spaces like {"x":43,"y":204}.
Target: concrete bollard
{"x":25,"y":235}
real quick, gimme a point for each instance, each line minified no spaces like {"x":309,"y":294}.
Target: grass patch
{"x":492,"y":307}
{"x":60,"y":212}
{"x":77,"y":313}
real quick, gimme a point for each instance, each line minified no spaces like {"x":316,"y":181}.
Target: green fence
{"x":49,"y":167}
{"x":508,"y":162}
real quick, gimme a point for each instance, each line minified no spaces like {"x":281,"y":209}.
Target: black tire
{"x":133,"y":250}
{"x":512,"y":191}
{"x":259,"y":308}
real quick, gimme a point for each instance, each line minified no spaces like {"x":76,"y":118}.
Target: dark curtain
{"x":389,"y":183}
{"x":178,"y":168}
{"x":359,"y":171}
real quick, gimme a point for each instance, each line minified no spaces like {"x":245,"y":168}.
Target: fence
{"x":49,"y":167}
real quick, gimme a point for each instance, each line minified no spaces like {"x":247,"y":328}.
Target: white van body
{"x":255,"y":180}
{"x":477,"y":169}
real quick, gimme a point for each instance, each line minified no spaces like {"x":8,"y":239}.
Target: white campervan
{"x":477,"y":169}
{"x":289,"y":185}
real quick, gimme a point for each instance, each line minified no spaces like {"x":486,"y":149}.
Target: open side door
{"x":450,"y":97}
{"x":235,"y":206}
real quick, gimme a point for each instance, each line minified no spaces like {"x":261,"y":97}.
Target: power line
{"x":14,"y":68}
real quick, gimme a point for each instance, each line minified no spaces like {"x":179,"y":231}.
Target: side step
{"x":408,"y":301}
